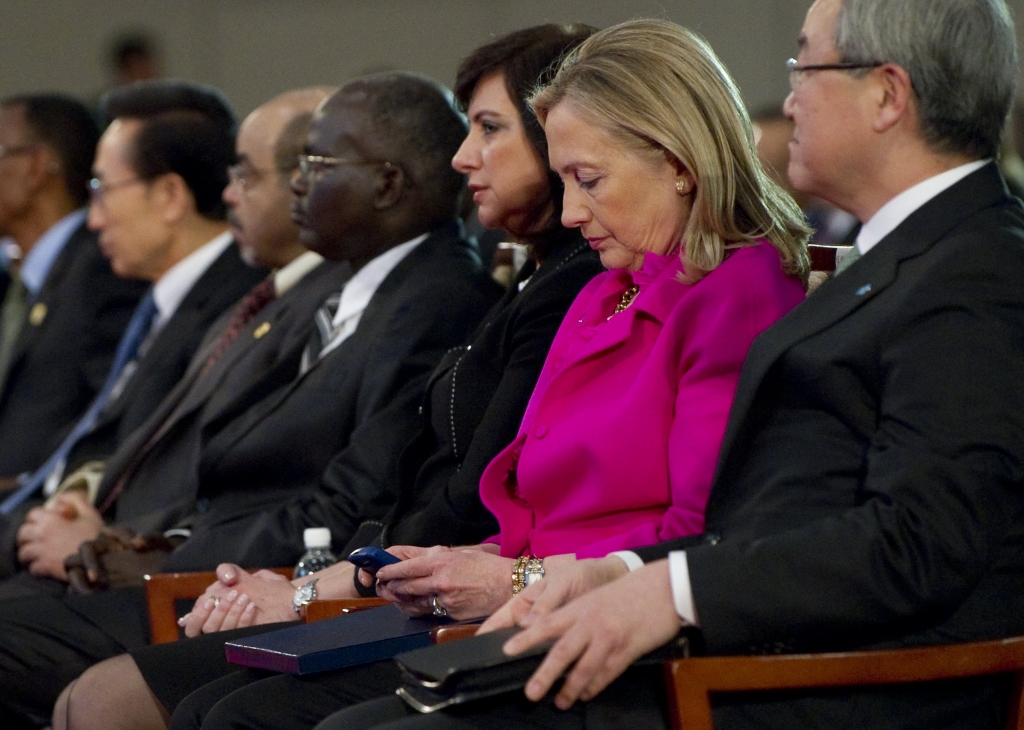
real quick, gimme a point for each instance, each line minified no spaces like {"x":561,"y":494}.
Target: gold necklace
{"x":627,"y":298}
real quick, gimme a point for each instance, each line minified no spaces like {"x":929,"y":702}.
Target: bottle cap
{"x":316,"y":537}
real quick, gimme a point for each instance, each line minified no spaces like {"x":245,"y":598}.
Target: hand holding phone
{"x":372,"y":559}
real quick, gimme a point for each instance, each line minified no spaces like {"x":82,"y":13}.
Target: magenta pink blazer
{"x":619,"y":442}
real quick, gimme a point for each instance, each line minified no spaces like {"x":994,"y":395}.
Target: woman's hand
{"x":240,"y":599}
{"x":565,"y":578}
{"x":467,"y":582}
{"x":603,"y":632}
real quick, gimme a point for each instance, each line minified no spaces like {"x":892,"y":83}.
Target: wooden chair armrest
{"x":444,"y":634}
{"x":163,"y":589}
{"x":320,"y":610}
{"x":690,"y":680}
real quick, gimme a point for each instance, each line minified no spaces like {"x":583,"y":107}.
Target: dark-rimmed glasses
{"x":316,"y":165}
{"x":796,"y":71}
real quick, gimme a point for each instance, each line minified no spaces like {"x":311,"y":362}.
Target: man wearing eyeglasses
{"x":156,"y":203}
{"x":65,"y":310}
{"x":375,"y":189}
{"x":868,"y":492}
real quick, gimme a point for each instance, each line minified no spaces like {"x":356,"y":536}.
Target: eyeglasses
{"x":317,"y":165}
{"x":796,"y":71}
{"x":247,"y":176}
{"x":18,"y":150}
{"x":98,"y":189}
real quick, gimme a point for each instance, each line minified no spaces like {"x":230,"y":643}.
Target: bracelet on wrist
{"x":526,"y":570}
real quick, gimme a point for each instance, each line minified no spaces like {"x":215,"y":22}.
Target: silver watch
{"x":304,"y":595}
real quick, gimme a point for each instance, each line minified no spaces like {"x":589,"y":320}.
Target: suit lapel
{"x":865,"y":279}
{"x":375,"y":313}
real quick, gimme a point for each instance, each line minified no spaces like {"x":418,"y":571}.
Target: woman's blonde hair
{"x":659,"y":87}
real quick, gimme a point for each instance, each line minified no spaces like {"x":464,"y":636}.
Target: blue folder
{"x":356,"y":638}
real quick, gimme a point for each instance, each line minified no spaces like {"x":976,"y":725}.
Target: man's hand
{"x":603,"y":632}
{"x":118,"y":557}
{"x":240,"y":599}
{"x":564,"y":580}
{"x":51,"y":534}
{"x":468,"y":583}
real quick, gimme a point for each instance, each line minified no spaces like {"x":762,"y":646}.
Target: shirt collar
{"x":357,"y":292}
{"x":289,"y":275}
{"x":171,"y":288}
{"x":39,"y":261}
{"x":899,"y":208}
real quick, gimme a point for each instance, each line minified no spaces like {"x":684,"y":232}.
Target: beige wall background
{"x":254,"y":49}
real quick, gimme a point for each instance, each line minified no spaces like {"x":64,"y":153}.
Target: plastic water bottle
{"x":318,"y":553}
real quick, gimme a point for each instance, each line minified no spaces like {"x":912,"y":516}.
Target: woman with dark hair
{"x":473,"y":406}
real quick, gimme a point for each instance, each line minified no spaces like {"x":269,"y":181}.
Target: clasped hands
{"x":52,"y":533}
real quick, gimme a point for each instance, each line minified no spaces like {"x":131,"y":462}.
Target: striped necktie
{"x":323,"y":331}
{"x":137,"y":330}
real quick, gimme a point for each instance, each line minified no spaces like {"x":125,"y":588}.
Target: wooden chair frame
{"x":691,"y":680}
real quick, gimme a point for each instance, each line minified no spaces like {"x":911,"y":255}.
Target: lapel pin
{"x":37,"y":314}
{"x":863,"y":290}
{"x":261,"y":330}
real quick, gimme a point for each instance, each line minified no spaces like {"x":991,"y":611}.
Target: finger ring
{"x":439,"y":610}
{"x":216,"y":601}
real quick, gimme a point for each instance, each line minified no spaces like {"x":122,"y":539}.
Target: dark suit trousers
{"x":46,"y":643}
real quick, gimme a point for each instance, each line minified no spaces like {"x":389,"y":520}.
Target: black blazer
{"x":265,"y":357}
{"x":61,"y":360}
{"x":474,"y":404}
{"x":226,"y":280}
{"x":869,"y":487}
{"x":259,"y":473}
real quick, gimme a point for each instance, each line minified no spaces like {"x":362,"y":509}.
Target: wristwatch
{"x":304,"y":595}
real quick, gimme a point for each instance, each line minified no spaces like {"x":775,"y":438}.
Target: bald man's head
{"x":269,"y":142}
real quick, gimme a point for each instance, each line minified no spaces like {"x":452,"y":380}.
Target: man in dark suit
{"x":160,"y":169}
{"x":65,"y":311}
{"x":868,"y":492}
{"x":254,"y":348}
{"x":375,"y":190}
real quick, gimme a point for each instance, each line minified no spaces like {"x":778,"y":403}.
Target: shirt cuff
{"x":682,"y":593}
{"x":631,"y":559}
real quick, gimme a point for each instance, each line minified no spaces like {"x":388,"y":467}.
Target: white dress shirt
{"x":881,"y":225}
{"x":171,"y":288}
{"x":292,"y":273}
{"x":357,"y":292}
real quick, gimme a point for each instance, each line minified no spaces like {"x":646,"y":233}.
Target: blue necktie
{"x":135,"y":333}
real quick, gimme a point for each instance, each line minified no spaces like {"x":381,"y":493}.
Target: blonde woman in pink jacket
{"x":619,"y":442}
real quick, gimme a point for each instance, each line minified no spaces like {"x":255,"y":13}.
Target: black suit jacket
{"x":265,"y":357}
{"x":259,"y":473}
{"x":60,"y":362}
{"x":226,"y":280}
{"x":869,"y":487}
{"x":474,"y":404}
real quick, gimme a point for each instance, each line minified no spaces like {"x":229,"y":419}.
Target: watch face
{"x":304,"y":594}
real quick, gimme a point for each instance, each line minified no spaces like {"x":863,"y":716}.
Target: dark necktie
{"x":137,"y":330}
{"x":12,"y":321}
{"x":323,"y":332}
{"x":245,"y":312}
{"x":251,"y":304}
